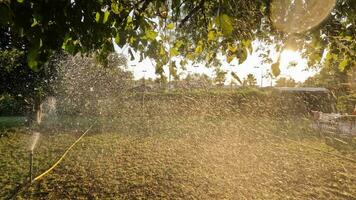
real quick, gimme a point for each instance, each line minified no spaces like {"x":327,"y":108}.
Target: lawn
{"x":8,"y":122}
{"x":182,"y":158}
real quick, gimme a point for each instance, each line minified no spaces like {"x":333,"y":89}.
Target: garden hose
{"x":64,"y":154}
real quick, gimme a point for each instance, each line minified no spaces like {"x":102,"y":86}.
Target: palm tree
{"x":250,"y":80}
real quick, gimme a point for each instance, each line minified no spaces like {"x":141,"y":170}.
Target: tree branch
{"x":192,"y":12}
{"x":141,"y":10}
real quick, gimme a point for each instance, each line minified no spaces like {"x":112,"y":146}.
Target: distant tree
{"x":197,"y":80}
{"x":220,"y":77}
{"x":331,"y":77}
{"x":250,"y":80}
{"x":284,"y":82}
{"x":150,"y":81}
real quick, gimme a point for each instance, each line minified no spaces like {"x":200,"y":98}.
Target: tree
{"x":284,"y":82}
{"x":334,"y":73}
{"x":26,"y":87}
{"x":220,"y":77}
{"x":197,"y":81}
{"x":220,"y":26}
{"x":331,"y":77}
{"x":250,"y":80}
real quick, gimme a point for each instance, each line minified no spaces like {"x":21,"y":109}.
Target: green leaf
{"x":20,"y":1}
{"x":173,"y":52}
{"x":329,"y":56}
{"x":69,"y":47}
{"x":97,"y":16}
{"x":224,"y":22}
{"x":32,"y":63}
{"x":34,"y":23}
{"x":210,"y":57}
{"x":115,"y":8}
{"x":132,"y":40}
{"x":106,"y":16}
{"x":117,"y":39}
{"x":183,"y":63}
{"x":190,"y":56}
{"x":199,"y":48}
{"x":170,"y":26}
{"x":40,"y":43}
{"x":211,"y":35}
{"x":66,"y":39}
{"x":241,"y":55}
{"x":32,"y":58}
{"x":178,"y":44}
{"x":275,"y":69}
{"x":348,"y":38}
{"x":229,"y":58}
{"x":343,"y":64}
{"x":150,"y":34}
{"x":248,"y":44}
{"x":231,"y":48}
{"x":236,"y":77}
{"x":314,"y":58}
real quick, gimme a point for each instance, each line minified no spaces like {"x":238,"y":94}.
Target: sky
{"x":253,"y":64}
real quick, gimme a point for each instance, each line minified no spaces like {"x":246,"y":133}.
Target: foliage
{"x":30,"y":88}
{"x":147,"y":26}
{"x":27,"y":87}
{"x":346,"y":103}
{"x":220,"y":76}
{"x":195,"y":80}
{"x":250,"y":80}
{"x":331,"y":77}
{"x":284,"y":82}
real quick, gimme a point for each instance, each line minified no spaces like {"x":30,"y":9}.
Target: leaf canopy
{"x":203,"y":28}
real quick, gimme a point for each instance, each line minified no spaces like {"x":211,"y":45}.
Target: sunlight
{"x":290,"y":58}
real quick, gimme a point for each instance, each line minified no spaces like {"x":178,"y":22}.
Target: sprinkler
{"x":35,"y":137}
{"x":31,"y":165}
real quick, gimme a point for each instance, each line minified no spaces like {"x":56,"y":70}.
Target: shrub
{"x":346,"y":103}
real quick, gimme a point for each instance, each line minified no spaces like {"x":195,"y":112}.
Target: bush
{"x":346,"y":103}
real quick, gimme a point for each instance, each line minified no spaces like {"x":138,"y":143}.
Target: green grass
{"x":182,"y":158}
{"x":10,"y":122}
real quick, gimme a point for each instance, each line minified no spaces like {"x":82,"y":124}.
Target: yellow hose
{"x":64,"y":154}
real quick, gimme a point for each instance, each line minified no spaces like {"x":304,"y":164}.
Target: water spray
{"x":35,"y":138}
